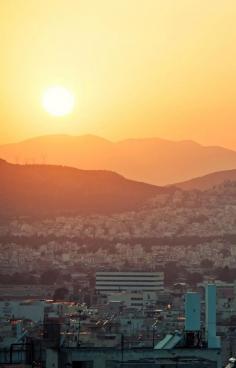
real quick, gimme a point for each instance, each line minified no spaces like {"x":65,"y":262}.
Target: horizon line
{"x":116,"y":141}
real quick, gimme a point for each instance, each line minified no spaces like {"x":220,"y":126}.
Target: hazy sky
{"x":137,"y":68}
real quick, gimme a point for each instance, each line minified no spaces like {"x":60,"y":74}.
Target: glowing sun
{"x":58,"y":101}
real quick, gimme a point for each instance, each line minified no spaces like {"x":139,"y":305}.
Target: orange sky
{"x":137,"y":68}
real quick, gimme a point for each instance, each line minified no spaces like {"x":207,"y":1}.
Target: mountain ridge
{"x":208,"y":181}
{"x":152,"y":160}
{"x":27,"y":190}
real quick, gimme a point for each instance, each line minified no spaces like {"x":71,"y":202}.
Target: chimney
{"x":213,"y":341}
{"x":192,"y":319}
{"x":192,"y":312}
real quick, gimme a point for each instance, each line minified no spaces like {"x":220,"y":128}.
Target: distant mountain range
{"x":27,"y":190}
{"x":208,"y":181}
{"x":153,"y":160}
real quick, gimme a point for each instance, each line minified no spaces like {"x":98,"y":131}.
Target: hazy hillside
{"x":208,"y":181}
{"x":44,"y":189}
{"x":153,"y":160}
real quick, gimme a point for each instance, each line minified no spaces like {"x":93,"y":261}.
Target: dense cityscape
{"x":50,"y":276}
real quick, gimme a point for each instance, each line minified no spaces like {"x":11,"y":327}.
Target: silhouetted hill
{"x":208,"y":181}
{"x":49,"y":190}
{"x":152,"y":160}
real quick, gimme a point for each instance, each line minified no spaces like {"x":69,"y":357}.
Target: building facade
{"x":111,"y":282}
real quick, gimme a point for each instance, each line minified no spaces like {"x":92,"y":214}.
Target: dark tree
{"x":60,"y":293}
{"x":49,"y":277}
{"x":207,"y":263}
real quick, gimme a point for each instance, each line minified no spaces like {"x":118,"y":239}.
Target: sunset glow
{"x":118,"y":183}
{"x":137,"y":69}
{"x":58,"y":101}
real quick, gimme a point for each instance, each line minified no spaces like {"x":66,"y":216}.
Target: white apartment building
{"x":110,"y":282}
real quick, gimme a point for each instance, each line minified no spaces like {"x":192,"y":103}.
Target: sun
{"x":58,"y":101}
